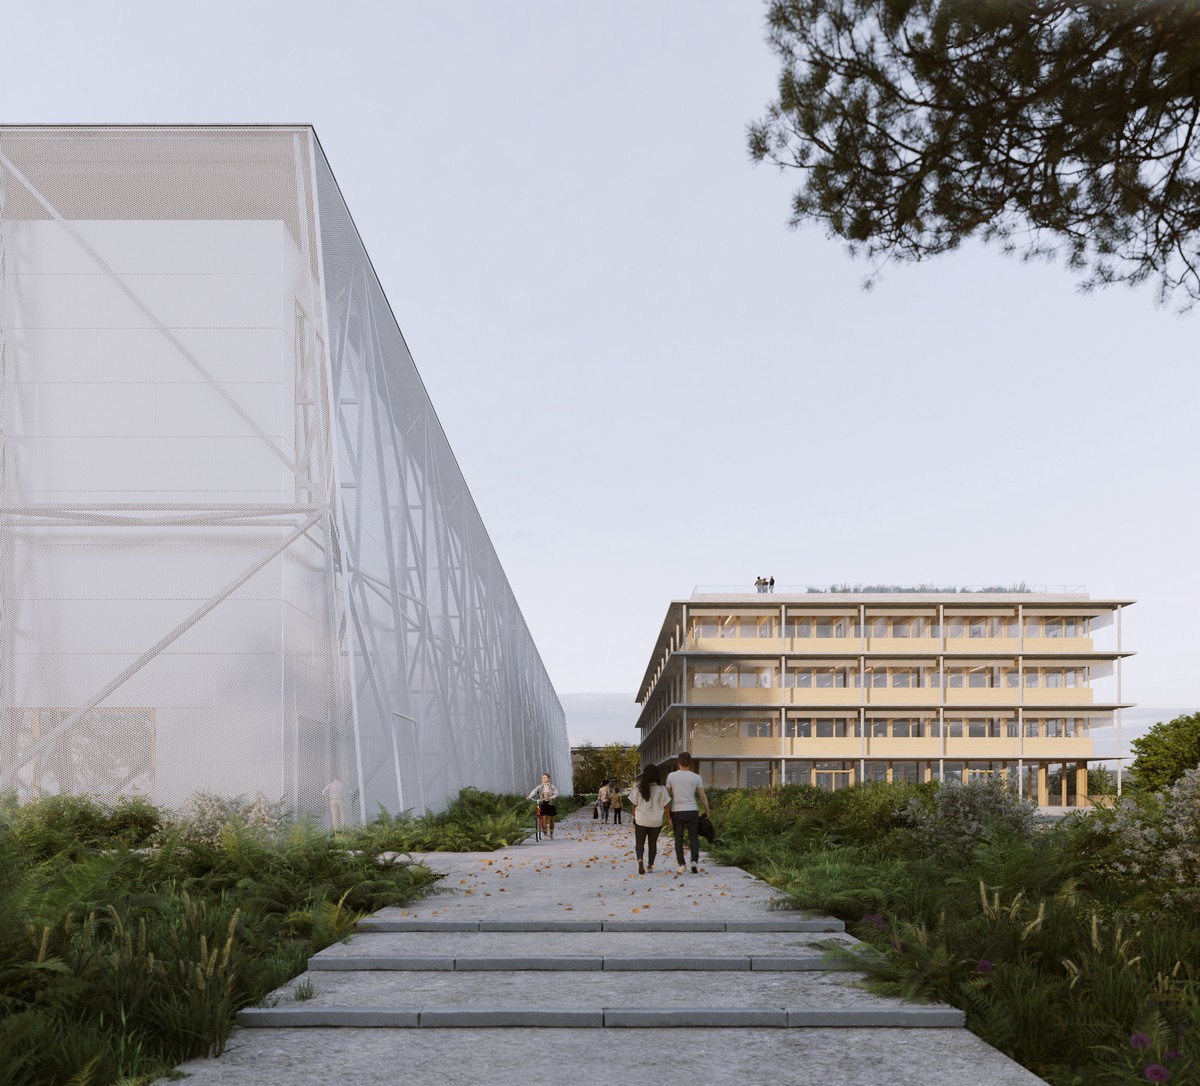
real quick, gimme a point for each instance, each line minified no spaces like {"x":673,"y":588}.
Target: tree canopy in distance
{"x":1049,"y":126}
{"x":1166,"y":752}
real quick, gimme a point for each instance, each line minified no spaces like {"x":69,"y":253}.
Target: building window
{"x":797,"y":728}
{"x":797,"y":773}
{"x":833,"y":775}
{"x":722,"y":774}
{"x":756,"y":774}
{"x":756,"y":729}
{"x":978,"y":677}
{"x":799,"y":676}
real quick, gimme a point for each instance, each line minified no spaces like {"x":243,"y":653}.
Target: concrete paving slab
{"x":665,"y":964}
{"x":564,"y":963}
{"x":911,"y":1017}
{"x":479,"y":1017}
{"x":299,"y":1016}
{"x":691,"y":1017}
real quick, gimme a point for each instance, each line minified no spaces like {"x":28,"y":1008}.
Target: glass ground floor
{"x":1050,"y":784}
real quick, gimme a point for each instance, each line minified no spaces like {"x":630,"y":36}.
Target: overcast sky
{"x":649,"y":381}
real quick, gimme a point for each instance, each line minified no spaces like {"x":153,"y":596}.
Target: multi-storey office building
{"x":236,"y":550}
{"x":833,"y":688}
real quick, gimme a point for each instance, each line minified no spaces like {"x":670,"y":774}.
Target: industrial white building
{"x":236,"y":551}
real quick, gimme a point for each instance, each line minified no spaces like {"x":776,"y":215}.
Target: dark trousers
{"x":689,"y":820}
{"x":616,"y":816}
{"x":646,"y":835}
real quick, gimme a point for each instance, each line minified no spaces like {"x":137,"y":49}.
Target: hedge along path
{"x":559,"y":955}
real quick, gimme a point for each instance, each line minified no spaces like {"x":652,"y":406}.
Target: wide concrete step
{"x":783,"y":922}
{"x":486,"y":1017}
{"x":591,"y":999}
{"x":587,"y":944}
{"x":574,"y":963}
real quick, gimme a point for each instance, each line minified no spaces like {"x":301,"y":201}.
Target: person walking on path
{"x":616,"y":800}
{"x":335,"y":793}
{"x":545,"y":794}
{"x":685,"y":788}
{"x":649,"y":799}
{"x":602,"y":799}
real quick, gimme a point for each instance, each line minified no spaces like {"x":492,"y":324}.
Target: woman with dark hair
{"x":649,"y":799}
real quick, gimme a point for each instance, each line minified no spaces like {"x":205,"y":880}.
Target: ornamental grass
{"x":1073,"y":946}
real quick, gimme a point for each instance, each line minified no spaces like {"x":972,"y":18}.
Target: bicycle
{"x":537,"y":822}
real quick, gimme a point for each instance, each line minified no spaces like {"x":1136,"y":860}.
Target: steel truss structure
{"x":236,"y":551}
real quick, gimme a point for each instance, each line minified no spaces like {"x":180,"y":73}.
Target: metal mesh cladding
{"x":196,"y":591}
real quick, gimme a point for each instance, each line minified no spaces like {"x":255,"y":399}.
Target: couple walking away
{"x":651,"y":798}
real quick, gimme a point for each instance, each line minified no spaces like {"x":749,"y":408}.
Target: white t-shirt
{"x":649,"y":811}
{"x":683,"y":785}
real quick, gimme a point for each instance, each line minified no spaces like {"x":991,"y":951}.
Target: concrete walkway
{"x":556,"y":960}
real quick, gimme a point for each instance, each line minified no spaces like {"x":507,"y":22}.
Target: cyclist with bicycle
{"x":545,"y":794}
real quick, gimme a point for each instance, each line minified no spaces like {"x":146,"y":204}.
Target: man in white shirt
{"x":686,"y":788}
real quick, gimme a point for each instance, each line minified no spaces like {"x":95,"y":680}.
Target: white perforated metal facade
{"x":236,"y":551}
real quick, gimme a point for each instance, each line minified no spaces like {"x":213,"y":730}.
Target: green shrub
{"x":963,"y":816}
{"x":117,"y":964}
{"x":1049,"y":937}
{"x":475,"y":821}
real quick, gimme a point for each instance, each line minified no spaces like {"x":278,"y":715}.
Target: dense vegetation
{"x":620,"y":762}
{"x":129,"y":937}
{"x":1073,"y":946}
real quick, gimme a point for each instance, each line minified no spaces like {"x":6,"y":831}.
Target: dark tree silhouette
{"x":1047,"y":126}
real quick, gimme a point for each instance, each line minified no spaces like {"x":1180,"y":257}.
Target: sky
{"x":651,"y":382}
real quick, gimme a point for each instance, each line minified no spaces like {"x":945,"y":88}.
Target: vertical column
{"x":862,"y":756}
{"x":1120,"y":748}
{"x":1020,"y":749}
{"x":1043,"y":792}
